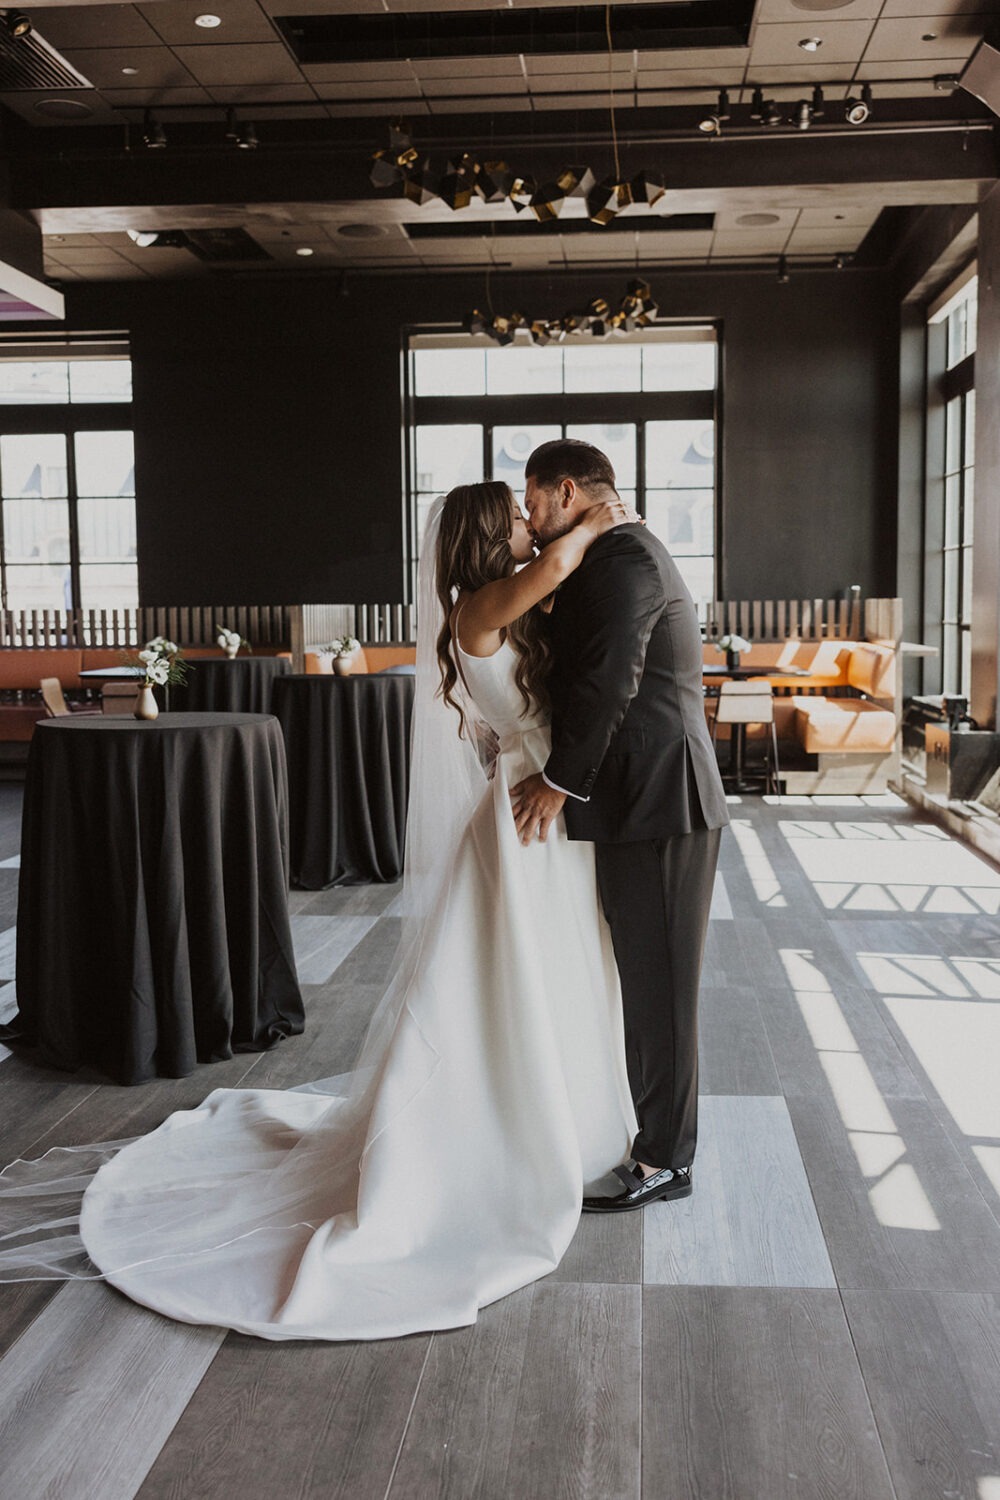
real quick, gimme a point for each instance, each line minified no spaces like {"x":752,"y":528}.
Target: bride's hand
{"x":608,"y":514}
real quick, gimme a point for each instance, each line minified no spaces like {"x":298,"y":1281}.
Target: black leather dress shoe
{"x":671,"y":1182}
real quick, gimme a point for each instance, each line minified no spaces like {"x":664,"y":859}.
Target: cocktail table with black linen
{"x":153,"y":928}
{"x":348,"y":743}
{"x":240,"y":686}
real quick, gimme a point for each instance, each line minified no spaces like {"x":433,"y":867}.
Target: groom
{"x":633,"y":769}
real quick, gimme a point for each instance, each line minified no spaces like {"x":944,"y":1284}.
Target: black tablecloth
{"x":240,"y":686}
{"x":348,"y":743}
{"x":152,"y":924}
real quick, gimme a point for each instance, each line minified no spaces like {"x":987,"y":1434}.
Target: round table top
{"x":113,"y":674}
{"x":126,"y":724}
{"x":751,"y":671}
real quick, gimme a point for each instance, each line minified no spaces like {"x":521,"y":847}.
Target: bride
{"x":447,"y":1169}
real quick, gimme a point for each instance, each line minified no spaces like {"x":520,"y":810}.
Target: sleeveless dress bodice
{"x":492,"y":684}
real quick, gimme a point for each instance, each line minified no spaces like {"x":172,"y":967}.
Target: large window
{"x":67,"y":479}
{"x":477,"y":411}
{"x":949,"y":536}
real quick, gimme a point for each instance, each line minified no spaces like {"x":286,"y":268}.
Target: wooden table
{"x":738,"y":732}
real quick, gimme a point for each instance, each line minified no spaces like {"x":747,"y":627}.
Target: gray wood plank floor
{"x":820,"y":1321}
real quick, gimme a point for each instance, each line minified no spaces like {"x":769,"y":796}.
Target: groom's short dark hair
{"x":570,"y":458}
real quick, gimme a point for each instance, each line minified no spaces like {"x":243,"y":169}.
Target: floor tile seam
{"x":409,"y":1419}
{"x":868,"y":1395}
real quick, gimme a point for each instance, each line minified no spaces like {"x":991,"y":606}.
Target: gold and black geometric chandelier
{"x":467,"y":176}
{"x":636,"y":310}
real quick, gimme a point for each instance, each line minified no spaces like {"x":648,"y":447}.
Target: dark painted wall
{"x":268,"y":420}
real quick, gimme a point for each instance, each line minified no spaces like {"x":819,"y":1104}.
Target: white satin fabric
{"x":456,"y":1176}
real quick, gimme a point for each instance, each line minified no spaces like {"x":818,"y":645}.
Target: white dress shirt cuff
{"x":575,"y":795}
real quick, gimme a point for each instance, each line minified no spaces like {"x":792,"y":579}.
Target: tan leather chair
{"x":750,"y":702}
{"x":55,"y":700}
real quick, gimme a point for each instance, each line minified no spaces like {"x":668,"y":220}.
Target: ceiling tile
{"x":727,"y":220}
{"x":778,"y":42}
{"x":398,"y":88}
{"x":875,"y":68}
{"x":915,"y":88}
{"x":266,"y":63}
{"x":515,"y":104}
{"x":681,"y":242}
{"x":380,"y":72}
{"x":894,"y":8}
{"x":795,"y":10}
{"x":414,"y":107}
{"x":484,"y":89}
{"x":271,"y":93}
{"x":596,"y":100}
{"x":322,"y":7}
{"x":242,"y":21}
{"x":949,"y":36}
{"x":85,"y":26}
{"x":848,"y":237}
{"x":696,"y":57}
{"x":148,"y":98}
{"x":665,"y":78}
{"x":750,"y":242}
{"x":816,"y":73}
{"x":59,"y":241}
{"x":818,"y":218}
{"x":480,"y":67}
{"x":155,"y":66}
{"x":25,"y":103}
{"x":559,"y":83}
{"x":656,"y":99}
{"x":578,"y":62}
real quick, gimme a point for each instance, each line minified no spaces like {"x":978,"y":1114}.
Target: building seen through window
{"x":649,"y":403}
{"x":67,"y":484}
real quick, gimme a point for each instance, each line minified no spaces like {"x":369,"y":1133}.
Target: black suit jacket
{"x":628,"y":717}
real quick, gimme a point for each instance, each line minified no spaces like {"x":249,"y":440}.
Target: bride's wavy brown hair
{"x":474,"y":549}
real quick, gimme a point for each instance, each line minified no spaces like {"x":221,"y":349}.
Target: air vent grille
{"x":28,"y":63}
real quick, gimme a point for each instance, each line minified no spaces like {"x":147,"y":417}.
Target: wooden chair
{"x":55,"y":700}
{"x":752,"y":702}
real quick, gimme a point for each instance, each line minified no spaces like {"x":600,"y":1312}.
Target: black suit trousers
{"x":656,"y":895}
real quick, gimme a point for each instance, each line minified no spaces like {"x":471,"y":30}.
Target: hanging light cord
{"x":611,"y":91}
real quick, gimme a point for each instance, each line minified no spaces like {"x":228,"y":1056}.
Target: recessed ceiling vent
{"x":28,"y":63}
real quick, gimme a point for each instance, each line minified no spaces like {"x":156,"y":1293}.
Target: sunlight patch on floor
{"x":766,"y":885}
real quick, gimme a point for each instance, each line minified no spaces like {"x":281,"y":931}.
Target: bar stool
{"x":740,"y":704}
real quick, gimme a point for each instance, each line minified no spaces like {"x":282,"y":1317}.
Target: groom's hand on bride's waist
{"x":535,"y":805}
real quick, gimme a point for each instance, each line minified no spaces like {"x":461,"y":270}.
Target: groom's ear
{"x":567,"y":493}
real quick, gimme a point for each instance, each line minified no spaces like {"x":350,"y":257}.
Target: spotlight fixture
{"x":144,"y":238}
{"x":839,"y":262}
{"x":857,"y":111}
{"x":158,"y":239}
{"x":154,"y":137}
{"x":818,"y":103}
{"x":305,"y":250}
{"x":803,"y":114}
{"x":207,"y":21}
{"x":772,"y":114}
{"x":783,"y":276}
{"x":811,"y":43}
{"x":248,"y":141}
{"x":17,"y":23}
{"x":232,"y":129}
{"x":712,"y":124}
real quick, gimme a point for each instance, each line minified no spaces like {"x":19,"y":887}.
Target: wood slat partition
{"x":264,"y":625}
{"x":787,"y":619}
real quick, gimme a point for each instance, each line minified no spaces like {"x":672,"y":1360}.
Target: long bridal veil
{"x":258,"y":1189}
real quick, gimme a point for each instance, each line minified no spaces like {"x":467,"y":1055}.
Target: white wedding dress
{"x":452,"y":1173}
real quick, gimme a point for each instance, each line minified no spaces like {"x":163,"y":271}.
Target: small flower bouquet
{"x":344,"y":645}
{"x":732,"y":645}
{"x":231,"y":641}
{"x":162,"y":661}
{"x":344,"y":650}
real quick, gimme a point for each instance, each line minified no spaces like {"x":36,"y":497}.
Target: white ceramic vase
{"x":344,"y":665}
{"x":146,"y":706}
{"x":232,"y":652}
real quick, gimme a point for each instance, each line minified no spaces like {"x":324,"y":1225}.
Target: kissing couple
{"x":536,"y":1048}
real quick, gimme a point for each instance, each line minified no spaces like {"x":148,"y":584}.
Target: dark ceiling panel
{"x":488,"y":33}
{"x":241,"y":21}
{"x":95,"y":26}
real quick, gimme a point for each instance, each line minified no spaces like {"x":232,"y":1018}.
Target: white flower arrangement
{"x":161,"y":662}
{"x":344,"y":645}
{"x":231,"y":640}
{"x":732,"y":643}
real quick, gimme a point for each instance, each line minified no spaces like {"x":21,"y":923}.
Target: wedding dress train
{"x":453,"y":1173}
